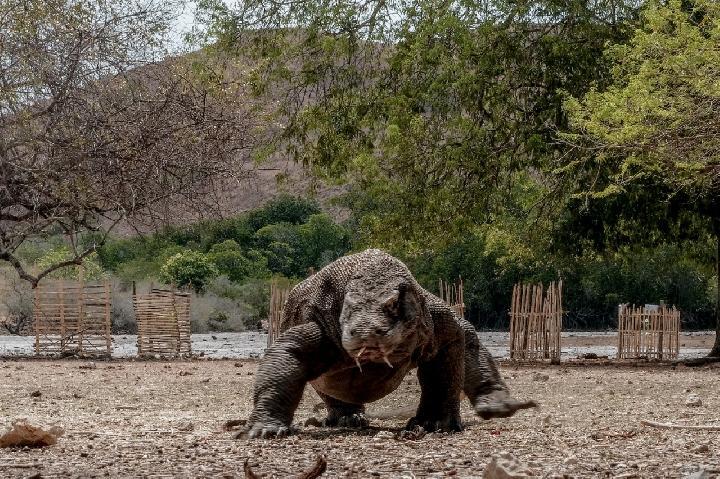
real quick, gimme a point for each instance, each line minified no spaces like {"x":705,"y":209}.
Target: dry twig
{"x":662,"y":425}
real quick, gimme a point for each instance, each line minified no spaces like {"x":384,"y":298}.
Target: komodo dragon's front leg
{"x":483,"y":385}
{"x":300,"y":354}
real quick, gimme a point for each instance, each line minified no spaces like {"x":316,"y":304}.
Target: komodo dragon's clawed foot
{"x":264,"y":430}
{"x":356,"y":420}
{"x":500,"y":404}
{"x":447,"y":424}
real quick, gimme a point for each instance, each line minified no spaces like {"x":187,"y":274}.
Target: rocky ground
{"x":165,"y":419}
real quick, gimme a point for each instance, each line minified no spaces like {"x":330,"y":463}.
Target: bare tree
{"x":95,"y":127}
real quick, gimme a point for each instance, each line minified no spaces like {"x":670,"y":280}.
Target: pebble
{"x":384,"y":435}
{"x":693,"y":400}
{"x":505,"y":466}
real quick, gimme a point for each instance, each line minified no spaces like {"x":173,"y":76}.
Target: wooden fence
{"x":536,"y":322}
{"x":163,"y":322}
{"x":72,"y":317}
{"x":278,"y":296}
{"x":452,"y":294}
{"x":650,"y":331}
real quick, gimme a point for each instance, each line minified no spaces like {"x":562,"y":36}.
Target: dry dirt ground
{"x":165,"y":419}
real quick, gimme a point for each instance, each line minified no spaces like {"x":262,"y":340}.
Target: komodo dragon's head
{"x":380,"y":320}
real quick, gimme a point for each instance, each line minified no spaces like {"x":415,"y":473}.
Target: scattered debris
{"x":23,"y":434}
{"x":701,"y":474}
{"x":661,"y":425}
{"x":414,"y":435}
{"x":505,"y":466}
{"x":316,"y":471}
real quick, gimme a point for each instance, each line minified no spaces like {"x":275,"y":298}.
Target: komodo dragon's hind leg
{"x":483,"y":385}
{"x":343,"y":414}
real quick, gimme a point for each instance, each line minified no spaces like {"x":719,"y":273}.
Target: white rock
{"x":693,"y":400}
{"x":505,"y":466}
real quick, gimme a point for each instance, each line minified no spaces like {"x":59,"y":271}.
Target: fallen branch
{"x":316,"y":471}
{"x":663,"y":425}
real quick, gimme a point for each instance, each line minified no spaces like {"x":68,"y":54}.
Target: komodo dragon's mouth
{"x":371,"y":353}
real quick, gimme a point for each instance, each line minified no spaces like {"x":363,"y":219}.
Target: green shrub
{"x":188,"y":269}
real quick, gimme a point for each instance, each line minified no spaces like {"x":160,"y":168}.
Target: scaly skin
{"x":353,"y":331}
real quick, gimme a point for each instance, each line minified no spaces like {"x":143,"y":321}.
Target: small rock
{"x":384,"y":435}
{"x":570,"y":461}
{"x":693,"y":400}
{"x":90,"y":365}
{"x":700,"y":449}
{"x":701,"y":474}
{"x":238,"y":364}
{"x":505,"y":466}
{"x":35,"y":394}
{"x":312,"y":421}
{"x":205,"y":380}
{"x":540,"y":377}
{"x":185,"y":426}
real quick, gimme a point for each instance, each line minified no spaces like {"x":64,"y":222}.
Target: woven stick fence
{"x":163,"y":321}
{"x":651,"y":332}
{"x":72,"y":317}
{"x":452,"y":295}
{"x":536,"y":322}
{"x":278,"y":296}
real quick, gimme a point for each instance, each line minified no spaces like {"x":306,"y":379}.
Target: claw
{"x":357,"y":358}
{"x":387,"y":361}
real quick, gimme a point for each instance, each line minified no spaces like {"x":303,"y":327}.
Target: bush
{"x":230,"y":261}
{"x":283,"y":209}
{"x":188,"y":269}
{"x":212,"y":313}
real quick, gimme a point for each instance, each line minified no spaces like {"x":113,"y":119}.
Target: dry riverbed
{"x":165,"y":419}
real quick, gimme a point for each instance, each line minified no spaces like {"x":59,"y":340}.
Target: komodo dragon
{"x":353,"y":331}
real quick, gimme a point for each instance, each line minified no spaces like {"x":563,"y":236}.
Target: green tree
{"x":230,"y":260}
{"x":91,"y":269}
{"x":432,"y":111}
{"x":97,"y":127}
{"x":660,"y":118}
{"x":190,"y":268}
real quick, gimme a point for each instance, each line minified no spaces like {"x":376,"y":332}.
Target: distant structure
{"x":73,"y":318}
{"x":163,"y":322}
{"x":536,"y":322}
{"x":651,"y":332}
{"x":452,"y":295}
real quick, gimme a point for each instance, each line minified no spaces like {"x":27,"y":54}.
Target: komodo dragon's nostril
{"x":380,"y":331}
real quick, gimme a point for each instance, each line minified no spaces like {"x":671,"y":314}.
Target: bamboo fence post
{"x":108,"y":342}
{"x":36,"y":319}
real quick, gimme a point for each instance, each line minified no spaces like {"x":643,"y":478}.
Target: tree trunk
{"x":715,"y":351}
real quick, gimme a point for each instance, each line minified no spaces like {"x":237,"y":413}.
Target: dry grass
{"x":165,"y":419}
